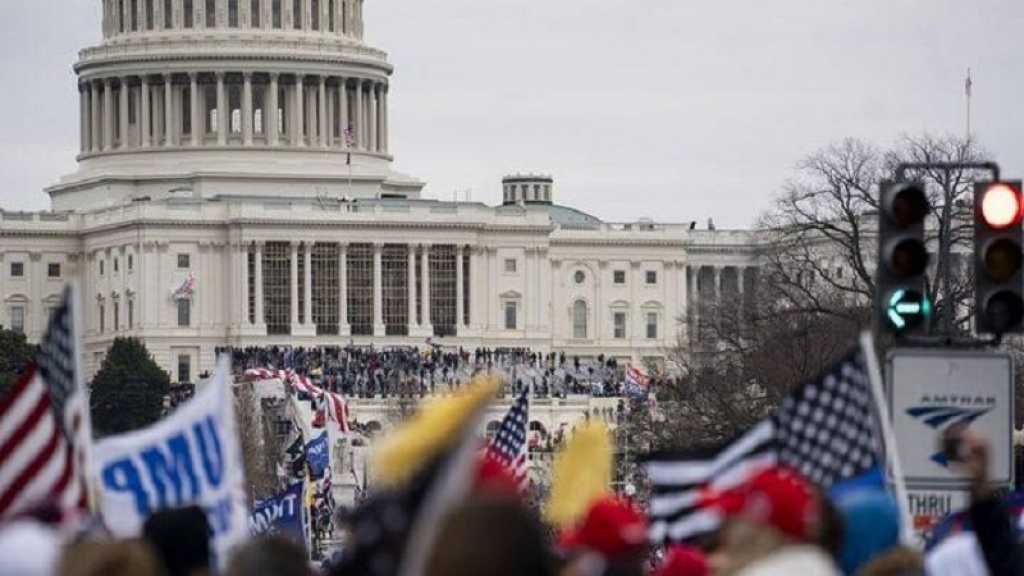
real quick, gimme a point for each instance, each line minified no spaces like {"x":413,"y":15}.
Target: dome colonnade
{"x":172,"y":74}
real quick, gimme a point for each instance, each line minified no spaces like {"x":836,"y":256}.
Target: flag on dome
{"x":509,"y":444}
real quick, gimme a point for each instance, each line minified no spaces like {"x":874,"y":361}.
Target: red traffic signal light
{"x":1000,"y":206}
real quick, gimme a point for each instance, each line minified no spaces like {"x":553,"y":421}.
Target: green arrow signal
{"x":901,"y":307}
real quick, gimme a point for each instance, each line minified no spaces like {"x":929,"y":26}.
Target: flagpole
{"x":892,"y":455}
{"x":969,"y":88}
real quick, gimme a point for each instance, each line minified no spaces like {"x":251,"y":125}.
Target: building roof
{"x":571,"y":217}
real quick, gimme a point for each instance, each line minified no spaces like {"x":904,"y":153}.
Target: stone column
{"x":144,"y":113}
{"x":359,"y":128}
{"x":426,"y":323}
{"x":108,"y":114}
{"x":270,"y":117}
{"x":223,"y":120}
{"x":85,"y":139}
{"x":332,"y":99}
{"x":373,"y":117}
{"x":261,"y":319}
{"x":345,"y":122}
{"x":295,"y":286}
{"x":95,"y":116}
{"x":384,"y":119}
{"x":717,"y":297}
{"x":247,"y":108}
{"x":378,"y":291}
{"x":741,"y":275}
{"x":300,"y":116}
{"x":194,"y":123}
{"x":168,"y":110}
{"x":322,"y":111}
{"x":307,"y":314}
{"x":343,"y":327}
{"x":411,"y":280}
{"x":460,"y":305}
{"x":122,"y":120}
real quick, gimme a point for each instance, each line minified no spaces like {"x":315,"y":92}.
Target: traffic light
{"x":902,"y":257}
{"x":998,"y":240}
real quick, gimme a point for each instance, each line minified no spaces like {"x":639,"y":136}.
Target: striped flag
{"x":44,"y":425}
{"x":335,"y":406}
{"x":825,"y":429}
{"x":509,"y":444}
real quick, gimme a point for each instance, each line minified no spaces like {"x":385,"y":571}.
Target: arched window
{"x":579,"y":320}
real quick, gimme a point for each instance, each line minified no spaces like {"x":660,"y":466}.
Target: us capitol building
{"x":235,"y":186}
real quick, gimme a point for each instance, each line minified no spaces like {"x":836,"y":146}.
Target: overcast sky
{"x":676,"y":110}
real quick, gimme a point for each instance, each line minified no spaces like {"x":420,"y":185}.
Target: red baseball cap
{"x":776,"y":497}
{"x":612,"y":527}
{"x":683,"y":561}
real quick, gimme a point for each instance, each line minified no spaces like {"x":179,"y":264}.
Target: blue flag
{"x":281,"y":515}
{"x":317,"y":455}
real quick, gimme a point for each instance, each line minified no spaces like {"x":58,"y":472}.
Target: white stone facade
{"x":299,"y":231}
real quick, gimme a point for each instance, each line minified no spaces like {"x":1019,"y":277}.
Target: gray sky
{"x":675,"y":110}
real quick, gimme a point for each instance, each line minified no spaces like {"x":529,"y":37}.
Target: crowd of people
{"x":366,"y":372}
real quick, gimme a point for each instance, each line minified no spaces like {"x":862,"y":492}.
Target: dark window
{"x":103,"y":318}
{"x":189,"y":17}
{"x":233,"y":13}
{"x":135,"y":15}
{"x":183,"y":260}
{"x":116,"y":268}
{"x":131,"y":314}
{"x":53,"y":270}
{"x":652,"y":325}
{"x":149,"y":14}
{"x":620,"y":276}
{"x":275,"y":13}
{"x":131,"y":262}
{"x":120,"y":15}
{"x":620,"y":325}
{"x":18,"y":319}
{"x":117,"y":316}
{"x":330,"y":15}
{"x":184,"y":313}
{"x":579,"y":277}
{"x":297,"y":14}
{"x":652,"y":277}
{"x":511,"y":308}
{"x":168,"y":15}
{"x":17,"y":269}
{"x":101,"y":267}
{"x":184,"y":368}
{"x":255,"y":16}
{"x":211,"y":13}
{"x":315,"y":14}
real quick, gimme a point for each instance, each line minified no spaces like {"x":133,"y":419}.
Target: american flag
{"x":336,"y":408}
{"x":825,"y":429}
{"x":636,"y":381}
{"x":509,"y":444}
{"x":44,"y":425}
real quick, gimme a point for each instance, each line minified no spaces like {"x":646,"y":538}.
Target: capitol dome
{"x":181,"y":94}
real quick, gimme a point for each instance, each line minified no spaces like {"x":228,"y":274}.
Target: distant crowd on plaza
{"x":366,"y":372}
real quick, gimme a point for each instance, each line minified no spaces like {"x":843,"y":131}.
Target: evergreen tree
{"x":129,"y":391}
{"x":15,"y":356}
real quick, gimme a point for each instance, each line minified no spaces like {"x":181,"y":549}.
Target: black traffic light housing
{"x":902,"y":301}
{"x":998,"y":241}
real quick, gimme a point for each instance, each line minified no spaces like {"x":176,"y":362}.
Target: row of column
{"x":344,"y":17}
{"x":417,"y":324}
{"x":327,"y":112}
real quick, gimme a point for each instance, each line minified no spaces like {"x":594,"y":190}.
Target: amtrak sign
{"x":931,"y":390}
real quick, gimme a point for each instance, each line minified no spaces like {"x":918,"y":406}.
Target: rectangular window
{"x":330,"y":15}
{"x":184,"y":313}
{"x":103,"y":318}
{"x":510,"y":265}
{"x":17,"y":269}
{"x":168,"y":15}
{"x":315,"y":14}
{"x":189,"y":14}
{"x":131,"y":314}
{"x":275,"y":13}
{"x":131,"y":262}
{"x":132,"y":104}
{"x":211,"y":13}
{"x":120,"y":15}
{"x":620,"y":276}
{"x":255,"y":15}
{"x":116,"y":268}
{"x":135,"y":15}
{"x":297,"y":14}
{"x":232,"y":13}
{"x":511,"y":309}
{"x":53,"y":270}
{"x":652,"y":325}
{"x":184,"y":369}
{"x":652,"y":277}
{"x":17,"y":314}
{"x":117,"y":316}
{"x":101,"y":267}
{"x":277,"y":288}
{"x":149,"y":14}
{"x":183,"y":260}
{"x":620,"y":325}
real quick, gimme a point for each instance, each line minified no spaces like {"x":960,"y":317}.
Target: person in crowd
{"x":269,"y":556}
{"x":773,"y":527}
{"x":683,"y":561}
{"x":180,"y":537}
{"x":28,"y":548}
{"x":611,"y":540}
{"x":109,"y":558}
{"x":871,"y":524}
